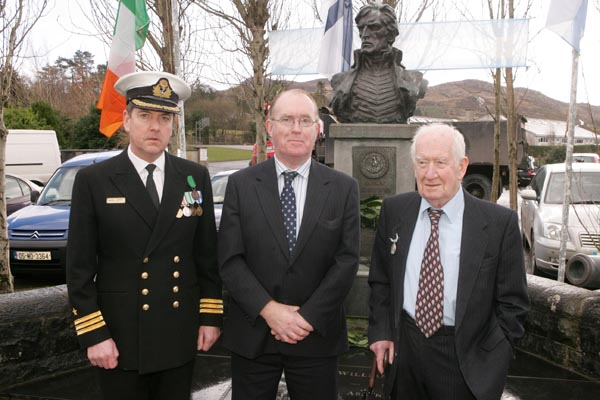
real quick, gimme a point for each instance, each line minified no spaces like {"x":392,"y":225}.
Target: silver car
{"x":541,"y":215}
{"x":219,"y":183}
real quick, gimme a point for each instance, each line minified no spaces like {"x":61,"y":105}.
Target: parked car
{"x":19,"y":192}
{"x":541,"y":215}
{"x":219,"y":183}
{"x":38,"y":233}
{"x":526,"y":171}
{"x":586,"y":157}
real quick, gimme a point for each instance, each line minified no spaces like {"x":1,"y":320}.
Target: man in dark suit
{"x":448,"y":289}
{"x":142,"y":269}
{"x":288,"y":254}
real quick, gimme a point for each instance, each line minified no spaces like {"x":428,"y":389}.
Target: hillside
{"x":462,"y":100}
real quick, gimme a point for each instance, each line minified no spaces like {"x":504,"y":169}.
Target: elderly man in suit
{"x":142,"y":271}
{"x":288,"y":254}
{"x":448,"y":289}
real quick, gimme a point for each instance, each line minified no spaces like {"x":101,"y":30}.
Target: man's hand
{"x":104,"y":354}
{"x":207,"y":336}
{"x":285,"y":322}
{"x":380,"y":348}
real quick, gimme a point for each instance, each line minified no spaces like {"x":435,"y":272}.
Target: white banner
{"x":496,"y":43}
{"x":566,"y":18}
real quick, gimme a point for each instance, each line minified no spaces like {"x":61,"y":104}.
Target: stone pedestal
{"x":378,"y":156}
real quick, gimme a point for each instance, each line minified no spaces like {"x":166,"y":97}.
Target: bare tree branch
{"x":241,"y":27}
{"x":17,"y":22}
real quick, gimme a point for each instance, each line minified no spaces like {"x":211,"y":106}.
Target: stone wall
{"x":564,"y":325}
{"x":37,"y":335}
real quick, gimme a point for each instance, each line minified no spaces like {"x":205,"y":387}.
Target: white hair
{"x":458,"y":141}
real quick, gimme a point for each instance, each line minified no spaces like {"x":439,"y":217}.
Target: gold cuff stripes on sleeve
{"x":211,"y":306}
{"x":89,"y":323}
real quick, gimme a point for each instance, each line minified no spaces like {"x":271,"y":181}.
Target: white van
{"x":32,"y":154}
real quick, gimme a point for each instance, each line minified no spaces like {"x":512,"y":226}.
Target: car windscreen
{"x":219,"y":183}
{"x":59,"y":188}
{"x":585,"y":188}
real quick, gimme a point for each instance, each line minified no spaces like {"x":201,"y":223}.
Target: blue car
{"x":38,"y":233}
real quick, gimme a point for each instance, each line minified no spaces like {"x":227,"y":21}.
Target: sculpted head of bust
{"x":377,"y":27}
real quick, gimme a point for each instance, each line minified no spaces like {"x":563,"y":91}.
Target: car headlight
{"x":552,"y":231}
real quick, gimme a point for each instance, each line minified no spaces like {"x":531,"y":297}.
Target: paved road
{"x":529,"y":378}
{"x":216,"y":167}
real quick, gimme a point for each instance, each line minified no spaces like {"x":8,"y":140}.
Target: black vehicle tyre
{"x":478,"y":185}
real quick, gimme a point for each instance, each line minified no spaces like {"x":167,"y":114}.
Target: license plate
{"x":32,"y":255}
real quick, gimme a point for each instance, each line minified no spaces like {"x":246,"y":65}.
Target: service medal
{"x":186,"y":211}
{"x":191,"y":182}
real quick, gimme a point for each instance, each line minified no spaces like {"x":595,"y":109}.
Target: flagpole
{"x":181,"y":144}
{"x":562,"y":255}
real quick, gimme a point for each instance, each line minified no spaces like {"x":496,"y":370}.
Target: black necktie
{"x":151,"y":186}
{"x":288,"y":207}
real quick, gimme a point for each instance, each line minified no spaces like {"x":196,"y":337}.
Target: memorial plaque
{"x":375,"y":169}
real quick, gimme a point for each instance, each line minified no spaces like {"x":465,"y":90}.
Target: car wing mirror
{"x":35,"y":195}
{"x":529,"y":194}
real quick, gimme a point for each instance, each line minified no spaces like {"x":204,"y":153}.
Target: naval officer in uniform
{"x":141,"y":257}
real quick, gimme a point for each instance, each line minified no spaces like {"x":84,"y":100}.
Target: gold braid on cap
{"x":154,"y":106}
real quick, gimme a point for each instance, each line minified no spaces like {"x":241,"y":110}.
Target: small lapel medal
{"x":393,"y":247}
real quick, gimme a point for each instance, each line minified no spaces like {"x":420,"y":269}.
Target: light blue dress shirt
{"x":450,"y":233}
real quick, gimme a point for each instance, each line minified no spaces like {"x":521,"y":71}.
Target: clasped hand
{"x":286,"y":323}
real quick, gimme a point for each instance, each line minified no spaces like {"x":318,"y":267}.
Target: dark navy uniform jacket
{"x":144,"y":278}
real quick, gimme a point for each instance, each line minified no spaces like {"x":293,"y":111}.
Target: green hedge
{"x":555,"y":154}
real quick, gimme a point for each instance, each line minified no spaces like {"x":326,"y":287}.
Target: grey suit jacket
{"x":256,"y":268}
{"x":492,"y":301}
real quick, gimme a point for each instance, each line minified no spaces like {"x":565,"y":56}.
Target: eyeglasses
{"x":304,"y":122}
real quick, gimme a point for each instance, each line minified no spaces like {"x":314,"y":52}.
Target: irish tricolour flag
{"x":131,"y":28}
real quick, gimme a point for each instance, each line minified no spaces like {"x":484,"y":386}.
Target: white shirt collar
{"x":140,"y":165}
{"x":452,"y":209}
{"x":303,"y":170}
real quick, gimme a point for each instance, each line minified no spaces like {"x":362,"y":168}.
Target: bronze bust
{"x":377,"y":88}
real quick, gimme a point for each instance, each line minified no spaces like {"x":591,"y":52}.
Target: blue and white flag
{"x":566,"y":18}
{"x":336,"y":46}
